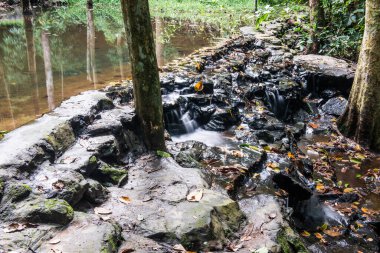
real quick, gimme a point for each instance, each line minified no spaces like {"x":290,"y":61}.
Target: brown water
{"x":40,"y":68}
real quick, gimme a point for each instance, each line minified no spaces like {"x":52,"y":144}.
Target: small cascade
{"x":178,"y":122}
{"x":277,"y":103}
{"x":189,"y":123}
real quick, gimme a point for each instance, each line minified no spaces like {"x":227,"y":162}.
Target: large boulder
{"x":155,"y":202}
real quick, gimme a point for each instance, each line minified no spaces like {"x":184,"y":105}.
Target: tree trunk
{"x":48,"y":69}
{"x":256,"y":5}
{"x":26,"y":7}
{"x":361,"y":120}
{"x":317,"y":20}
{"x":146,"y":83}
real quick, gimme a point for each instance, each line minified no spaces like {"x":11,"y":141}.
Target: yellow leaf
{"x":198,"y":86}
{"x":290,"y":155}
{"x":364,"y":210}
{"x":305,"y":234}
{"x":324,"y":226}
{"x":348,"y":190}
{"x":125,"y":199}
{"x":332,"y":233}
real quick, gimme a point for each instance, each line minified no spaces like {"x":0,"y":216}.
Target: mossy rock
{"x":56,"y":211}
{"x":290,"y":242}
{"x":17,"y":192}
{"x":2,"y":186}
{"x":112,"y":240}
{"x":109,"y":174}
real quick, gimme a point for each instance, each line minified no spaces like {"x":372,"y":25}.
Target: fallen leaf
{"x":163,"y":154}
{"x":195,"y":196}
{"x":198,"y":86}
{"x":332,"y":232}
{"x":364,"y":210}
{"x":54,"y":241}
{"x":290,"y":155}
{"x":305,"y":233}
{"x":318,"y":235}
{"x":59,"y":185}
{"x":324,"y":226}
{"x":14,"y":227}
{"x":102,"y":211}
{"x":125,"y":199}
{"x":313,"y":125}
{"x":348,"y":190}
{"x":179,"y":248}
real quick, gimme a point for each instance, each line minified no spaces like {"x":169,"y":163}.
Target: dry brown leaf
{"x":102,"y":211}
{"x":195,"y":196}
{"x":125,"y":199}
{"x":318,"y":235}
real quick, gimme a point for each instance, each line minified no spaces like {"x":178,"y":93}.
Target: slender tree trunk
{"x":256,"y":5}
{"x":159,"y":44}
{"x":31,"y":55}
{"x":48,"y":69}
{"x":317,"y":20}
{"x":26,"y":7}
{"x":361,"y":120}
{"x":146,"y":83}
{"x":91,"y":64}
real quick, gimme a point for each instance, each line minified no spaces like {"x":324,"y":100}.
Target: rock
{"x":60,"y":181}
{"x":55,"y":211}
{"x":96,"y":192}
{"x":140,"y":244}
{"x":290,"y":241}
{"x":270,"y":136}
{"x":110,"y":122}
{"x":223,"y":119}
{"x":29,"y":237}
{"x":265,"y":221}
{"x":335,"y":106}
{"x":86,"y":233}
{"x":293,"y":185}
{"x":202,"y":114}
{"x":16,"y":192}
{"x":109,"y":174}
{"x":160,"y":210}
{"x":47,"y":137}
{"x":326,"y":72}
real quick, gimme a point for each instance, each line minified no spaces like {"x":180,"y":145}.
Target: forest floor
{"x":269,"y":171}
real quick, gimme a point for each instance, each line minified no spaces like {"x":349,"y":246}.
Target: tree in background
{"x":317,"y":20}
{"x":361,"y":120}
{"x":26,"y":7}
{"x":146,"y":83}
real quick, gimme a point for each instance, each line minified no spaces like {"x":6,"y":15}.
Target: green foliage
{"x":163,"y":154}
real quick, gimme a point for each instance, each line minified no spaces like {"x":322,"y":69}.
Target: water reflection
{"x":43,"y":64}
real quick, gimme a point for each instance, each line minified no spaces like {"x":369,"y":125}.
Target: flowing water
{"x":40,"y":66}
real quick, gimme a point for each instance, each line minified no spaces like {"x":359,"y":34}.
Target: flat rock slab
{"x":87,"y":233}
{"x":155,"y":205}
{"x":50,"y":135}
{"x":326,"y":65}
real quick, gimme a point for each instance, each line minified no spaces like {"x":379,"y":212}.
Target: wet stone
{"x":96,"y":192}
{"x":335,"y":106}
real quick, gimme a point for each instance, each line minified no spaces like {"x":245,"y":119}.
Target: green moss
{"x":112,"y":241}
{"x":93,"y":160}
{"x":290,"y":242}
{"x":18,"y":192}
{"x":59,"y":206}
{"x":114,"y":175}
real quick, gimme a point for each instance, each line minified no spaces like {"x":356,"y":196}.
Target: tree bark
{"x":26,"y":7}
{"x":146,"y":83}
{"x":361,"y":120}
{"x":159,"y":44}
{"x":317,"y":20}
